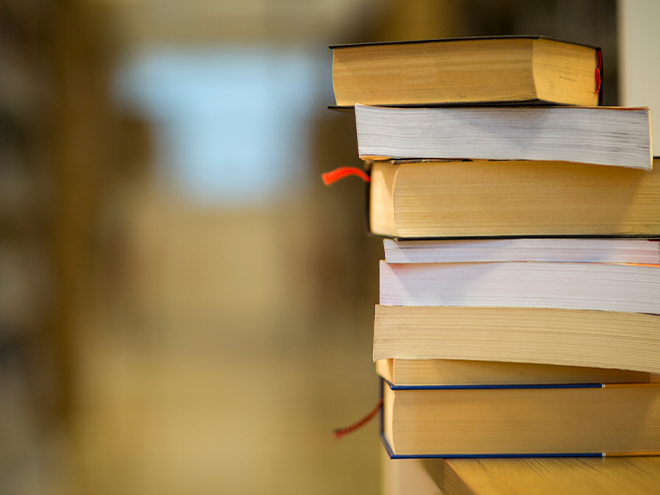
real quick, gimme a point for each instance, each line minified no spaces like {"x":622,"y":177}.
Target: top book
{"x":464,"y":71}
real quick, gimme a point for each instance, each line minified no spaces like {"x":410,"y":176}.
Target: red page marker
{"x":342,"y":432}
{"x":599,"y":64}
{"x":337,"y":174}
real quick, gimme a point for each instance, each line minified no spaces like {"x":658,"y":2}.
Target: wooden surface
{"x":584,"y":476}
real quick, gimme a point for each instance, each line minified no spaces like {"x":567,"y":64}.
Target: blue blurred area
{"x":228,"y":121}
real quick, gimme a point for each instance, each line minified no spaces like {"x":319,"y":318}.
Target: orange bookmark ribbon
{"x":337,"y":174}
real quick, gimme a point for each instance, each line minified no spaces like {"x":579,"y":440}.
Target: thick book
{"x":567,"y":337}
{"x":497,"y":70}
{"x":613,"y":136}
{"x":461,"y":373}
{"x":521,"y":421}
{"x":595,"y":286}
{"x":512,"y":198}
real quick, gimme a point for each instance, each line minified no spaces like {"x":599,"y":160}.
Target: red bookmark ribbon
{"x":598,"y":75}
{"x":337,"y":174}
{"x":342,"y":432}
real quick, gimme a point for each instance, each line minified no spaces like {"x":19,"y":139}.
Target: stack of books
{"x":519,"y":308}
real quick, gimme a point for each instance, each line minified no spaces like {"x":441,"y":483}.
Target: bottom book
{"x":521,"y":421}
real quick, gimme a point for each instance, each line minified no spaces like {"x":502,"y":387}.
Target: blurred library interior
{"x":184,"y":307}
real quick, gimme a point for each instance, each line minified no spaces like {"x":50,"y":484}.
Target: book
{"x":559,"y":475}
{"x":643,"y":251}
{"x":595,"y":135}
{"x":458,"y":373}
{"x":522,"y":421}
{"x":568,"y":337}
{"x":596,"y":286}
{"x":501,"y":70}
{"x":512,"y":198}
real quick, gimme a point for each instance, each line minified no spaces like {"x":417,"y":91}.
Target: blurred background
{"x":184,"y":308}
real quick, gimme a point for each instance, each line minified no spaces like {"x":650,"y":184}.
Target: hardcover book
{"x":445,"y":199}
{"x":461,"y":373}
{"x":497,"y":70}
{"x":521,"y":421}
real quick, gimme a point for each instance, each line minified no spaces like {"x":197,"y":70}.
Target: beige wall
{"x":639,"y":49}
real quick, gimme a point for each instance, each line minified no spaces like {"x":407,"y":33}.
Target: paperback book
{"x":593,"y":135}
